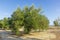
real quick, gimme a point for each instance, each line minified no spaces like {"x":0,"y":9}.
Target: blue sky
{"x":51,"y":8}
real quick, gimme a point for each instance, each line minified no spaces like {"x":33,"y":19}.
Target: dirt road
{"x":57,"y":33}
{"x":4,"y":35}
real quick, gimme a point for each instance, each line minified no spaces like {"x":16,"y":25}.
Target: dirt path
{"x":57,"y":33}
{"x":5,"y":36}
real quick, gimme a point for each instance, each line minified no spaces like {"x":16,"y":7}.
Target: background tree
{"x":56,"y":23}
{"x":1,"y":24}
{"x":6,"y":25}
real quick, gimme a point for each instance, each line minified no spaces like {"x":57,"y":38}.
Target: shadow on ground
{"x":5,"y":35}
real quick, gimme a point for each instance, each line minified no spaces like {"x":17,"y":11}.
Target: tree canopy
{"x":30,"y":18}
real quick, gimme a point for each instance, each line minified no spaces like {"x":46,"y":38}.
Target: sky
{"x":51,"y":8}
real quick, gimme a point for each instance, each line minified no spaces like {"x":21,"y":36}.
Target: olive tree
{"x":33,"y":20}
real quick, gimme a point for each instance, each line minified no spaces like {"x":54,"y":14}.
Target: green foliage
{"x":56,"y":23}
{"x":27,"y":20}
{"x":17,"y":20}
{"x":6,"y":25}
{"x":44,"y":22}
{"x":30,"y":18}
{"x":1,"y":24}
{"x":15,"y":27}
{"x":34,"y":20}
{"x":10,"y":23}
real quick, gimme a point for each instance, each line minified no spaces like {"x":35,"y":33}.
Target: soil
{"x":57,"y":33}
{"x":5,"y":35}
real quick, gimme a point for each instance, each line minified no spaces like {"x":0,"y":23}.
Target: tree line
{"x":30,"y":18}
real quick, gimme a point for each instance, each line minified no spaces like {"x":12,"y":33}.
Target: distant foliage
{"x":57,"y":22}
